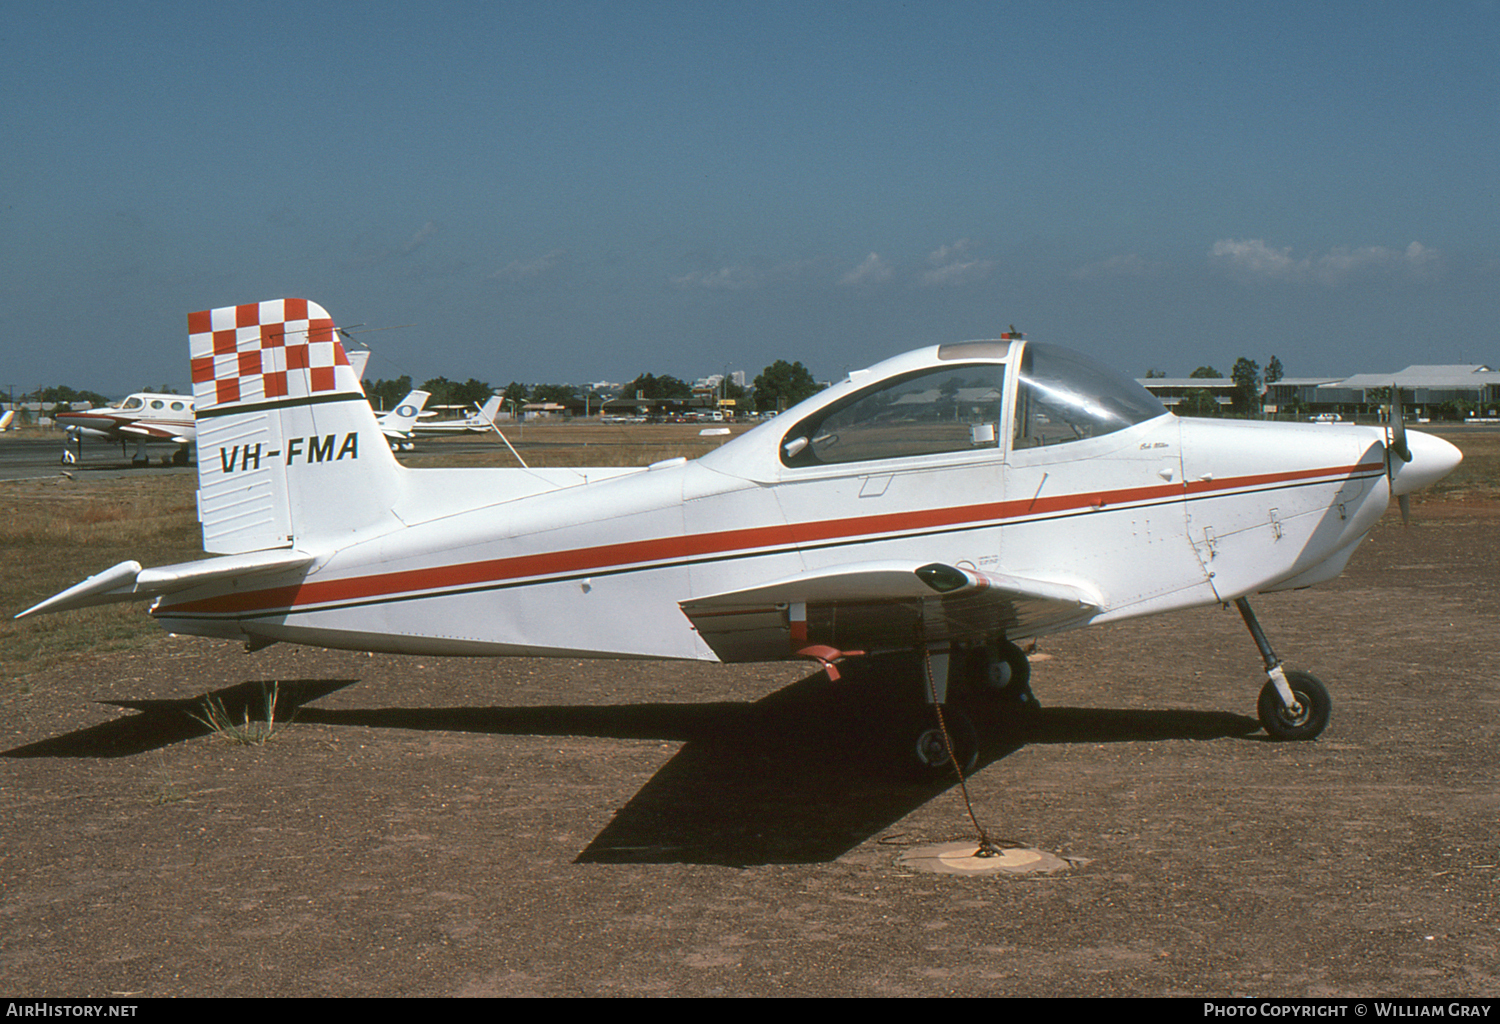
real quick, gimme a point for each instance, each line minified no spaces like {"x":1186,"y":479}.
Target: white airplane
{"x":397,"y":424}
{"x":481,"y":422}
{"x":948,"y":502}
{"x":143,"y":417}
{"x":6,"y":419}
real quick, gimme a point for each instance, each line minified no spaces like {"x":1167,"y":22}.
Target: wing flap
{"x":127,"y":581}
{"x":882,"y":606}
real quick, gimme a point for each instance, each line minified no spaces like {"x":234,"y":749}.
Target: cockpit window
{"x":133,"y":402}
{"x":1065,"y":396}
{"x":949,"y":409}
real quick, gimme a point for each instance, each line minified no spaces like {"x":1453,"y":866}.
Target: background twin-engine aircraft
{"x":147,"y":417}
{"x":948,"y":502}
{"x":143,"y":417}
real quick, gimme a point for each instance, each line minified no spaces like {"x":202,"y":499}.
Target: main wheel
{"x":1002,"y":677}
{"x":930,"y":752}
{"x":1304,"y":722}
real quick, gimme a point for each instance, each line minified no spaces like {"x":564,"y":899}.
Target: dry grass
{"x":57,"y":531}
{"x":245,"y":730}
{"x":1479,"y":474}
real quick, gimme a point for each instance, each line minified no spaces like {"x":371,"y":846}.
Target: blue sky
{"x":574,"y":191}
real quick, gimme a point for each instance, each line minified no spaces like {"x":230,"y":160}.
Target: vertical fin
{"x":288,"y":448}
{"x":401,"y":419}
{"x":485,"y":417}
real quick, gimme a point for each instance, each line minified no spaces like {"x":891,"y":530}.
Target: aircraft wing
{"x":127,"y":581}
{"x":152,"y":432}
{"x":871,"y":606}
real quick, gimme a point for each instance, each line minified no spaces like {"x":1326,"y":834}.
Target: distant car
{"x":1328,"y":417}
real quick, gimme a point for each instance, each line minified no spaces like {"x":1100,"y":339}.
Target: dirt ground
{"x":430,"y":826}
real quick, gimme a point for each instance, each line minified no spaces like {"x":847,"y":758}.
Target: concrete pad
{"x":959,"y":859}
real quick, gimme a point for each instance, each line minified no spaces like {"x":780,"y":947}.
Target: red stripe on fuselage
{"x":645,"y":553}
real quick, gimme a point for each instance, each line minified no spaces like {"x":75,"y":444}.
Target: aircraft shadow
{"x":801,"y":776}
{"x":162,"y":723}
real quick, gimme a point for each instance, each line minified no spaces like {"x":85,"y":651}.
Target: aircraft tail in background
{"x":485,"y":417}
{"x":398,"y":422}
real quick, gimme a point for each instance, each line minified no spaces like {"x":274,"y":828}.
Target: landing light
{"x":942,"y":578}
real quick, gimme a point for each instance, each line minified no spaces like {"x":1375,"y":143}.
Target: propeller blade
{"x":1397,"y":447}
{"x":1396,"y":427}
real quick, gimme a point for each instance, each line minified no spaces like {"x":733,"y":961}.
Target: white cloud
{"x":948,"y":268}
{"x":419,"y":239}
{"x":873,"y":270}
{"x":748,"y":277}
{"x":725,"y":279}
{"x":1420,"y":260}
{"x":1252,"y":259}
{"x":946,"y":254}
{"x":958,"y":273}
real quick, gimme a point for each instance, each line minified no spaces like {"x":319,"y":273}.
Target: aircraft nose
{"x":1432,"y":458}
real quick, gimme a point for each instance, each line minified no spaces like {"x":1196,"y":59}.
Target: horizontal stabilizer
{"x":880,"y":605}
{"x":90,"y":591}
{"x":129,"y":582}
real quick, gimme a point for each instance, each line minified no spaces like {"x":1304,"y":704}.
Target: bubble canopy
{"x":957,"y":404}
{"x":1063,"y":396}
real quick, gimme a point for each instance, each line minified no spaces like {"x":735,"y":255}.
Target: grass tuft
{"x":245,"y":731}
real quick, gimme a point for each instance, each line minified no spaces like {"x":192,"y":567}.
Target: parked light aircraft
{"x":397,"y":424}
{"x":142,"y":417}
{"x":6,"y":419}
{"x":481,"y":422}
{"x":950,"y":502}
{"x":147,"y":417}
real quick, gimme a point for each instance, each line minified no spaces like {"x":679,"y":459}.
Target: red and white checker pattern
{"x":284,"y":348}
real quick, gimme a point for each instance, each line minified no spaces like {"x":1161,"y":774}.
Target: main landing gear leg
{"x":964,"y":684}
{"x":950,"y":733}
{"x":1293,"y":705}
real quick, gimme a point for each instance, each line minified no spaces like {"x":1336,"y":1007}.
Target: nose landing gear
{"x":1293,"y":705}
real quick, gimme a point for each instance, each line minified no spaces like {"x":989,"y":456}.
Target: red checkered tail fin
{"x":289,"y":451}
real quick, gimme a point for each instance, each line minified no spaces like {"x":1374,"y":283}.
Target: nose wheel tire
{"x":1307,"y":719}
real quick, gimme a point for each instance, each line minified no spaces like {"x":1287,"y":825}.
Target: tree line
{"x":779,"y":386}
{"x":1246,"y":397}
